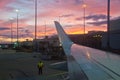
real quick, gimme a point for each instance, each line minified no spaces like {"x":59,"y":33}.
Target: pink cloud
{"x":3,"y":3}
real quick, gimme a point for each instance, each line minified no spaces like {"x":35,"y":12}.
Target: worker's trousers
{"x":40,"y":71}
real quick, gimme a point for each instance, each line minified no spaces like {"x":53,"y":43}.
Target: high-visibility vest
{"x":40,"y":64}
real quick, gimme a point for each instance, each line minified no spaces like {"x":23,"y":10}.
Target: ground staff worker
{"x":40,"y":67}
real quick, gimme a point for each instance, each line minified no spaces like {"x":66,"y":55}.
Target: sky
{"x":69,"y":13}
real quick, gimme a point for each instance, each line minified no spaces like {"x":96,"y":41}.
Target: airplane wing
{"x":85,"y":63}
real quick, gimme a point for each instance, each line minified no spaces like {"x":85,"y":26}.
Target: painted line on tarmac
{"x":57,"y":74}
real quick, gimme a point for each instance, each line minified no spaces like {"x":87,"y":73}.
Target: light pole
{"x":108,"y":24}
{"x":45,"y":30}
{"x":84,"y":7}
{"x":17,"y":11}
{"x":11,"y":22}
{"x":35,"y":19}
{"x":36,"y":45}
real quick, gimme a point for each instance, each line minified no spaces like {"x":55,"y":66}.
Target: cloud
{"x":26,"y":33}
{"x":96,"y":17}
{"x":98,"y":23}
{"x":4,"y":3}
{"x":93,"y":17}
{"x":78,"y":1}
{"x":3,"y":28}
{"x":79,"y":18}
{"x":71,"y":1}
{"x":115,"y":18}
{"x":5,"y":36}
{"x":57,"y":1}
{"x":73,"y":25}
{"x":67,"y":15}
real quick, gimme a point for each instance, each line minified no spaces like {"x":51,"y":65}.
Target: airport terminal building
{"x":114,"y":35}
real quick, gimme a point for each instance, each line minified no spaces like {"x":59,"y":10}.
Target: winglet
{"x":63,"y":37}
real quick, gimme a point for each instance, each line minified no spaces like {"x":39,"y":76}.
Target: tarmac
{"x":23,"y":66}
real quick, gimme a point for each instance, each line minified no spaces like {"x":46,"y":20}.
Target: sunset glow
{"x":68,"y":12}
